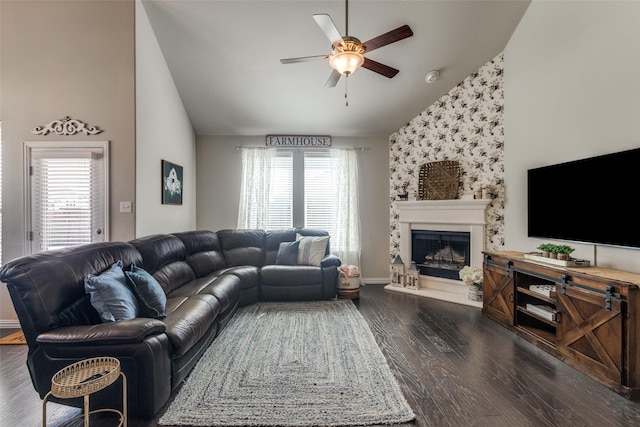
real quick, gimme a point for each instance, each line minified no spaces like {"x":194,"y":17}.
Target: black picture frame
{"x":172,"y":183}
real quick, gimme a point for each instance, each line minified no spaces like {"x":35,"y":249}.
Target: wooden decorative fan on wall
{"x":347,"y":52}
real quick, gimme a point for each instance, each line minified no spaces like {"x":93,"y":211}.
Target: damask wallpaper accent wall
{"x":465,"y":125}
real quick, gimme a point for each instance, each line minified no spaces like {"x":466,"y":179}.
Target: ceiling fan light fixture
{"x":346,"y":63}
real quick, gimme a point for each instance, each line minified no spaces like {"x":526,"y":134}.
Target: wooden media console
{"x":587,"y":316}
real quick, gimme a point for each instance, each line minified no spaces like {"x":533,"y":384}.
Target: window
{"x":319,"y":191}
{"x":312,"y":188}
{"x":280,"y":211}
{"x":66,"y":194}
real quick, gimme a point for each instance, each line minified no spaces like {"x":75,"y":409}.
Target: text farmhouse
{"x":298,"y":141}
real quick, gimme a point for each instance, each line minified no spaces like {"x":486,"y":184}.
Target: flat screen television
{"x":593,"y":200}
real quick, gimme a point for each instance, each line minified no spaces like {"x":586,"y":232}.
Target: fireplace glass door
{"x":440,"y":253}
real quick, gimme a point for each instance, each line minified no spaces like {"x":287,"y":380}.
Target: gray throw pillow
{"x":110,"y":295}
{"x":287,"y":253}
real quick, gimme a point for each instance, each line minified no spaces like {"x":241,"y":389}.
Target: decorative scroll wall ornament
{"x":66,"y":126}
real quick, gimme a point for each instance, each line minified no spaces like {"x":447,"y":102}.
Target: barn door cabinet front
{"x":498,"y":290}
{"x":590,"y":334}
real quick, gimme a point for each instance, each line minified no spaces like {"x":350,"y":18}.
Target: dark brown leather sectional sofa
{"x":205,"y":275}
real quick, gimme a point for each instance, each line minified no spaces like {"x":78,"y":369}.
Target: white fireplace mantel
{"x":443,"y":215}
{"x":455,"y":211}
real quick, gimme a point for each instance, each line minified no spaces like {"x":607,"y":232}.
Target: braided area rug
{"x":291,"y":364}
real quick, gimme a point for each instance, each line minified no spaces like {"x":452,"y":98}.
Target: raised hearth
{"x":443,"y":215}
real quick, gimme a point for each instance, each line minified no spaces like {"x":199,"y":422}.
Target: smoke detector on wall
{"x":432,"y":76}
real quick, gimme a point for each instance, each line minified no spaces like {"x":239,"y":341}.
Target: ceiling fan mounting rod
{"x":346,"y":14}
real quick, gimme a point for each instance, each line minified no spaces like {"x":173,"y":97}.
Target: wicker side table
{"x":83,"y":379}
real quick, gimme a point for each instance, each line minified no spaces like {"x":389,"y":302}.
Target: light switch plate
{"x":125,"y":207}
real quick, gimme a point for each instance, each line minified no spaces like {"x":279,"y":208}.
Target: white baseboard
{"x":9,"y":324}
{"x":375,"y":280}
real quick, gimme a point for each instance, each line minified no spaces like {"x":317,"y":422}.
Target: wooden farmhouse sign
{"x":298,"y":141}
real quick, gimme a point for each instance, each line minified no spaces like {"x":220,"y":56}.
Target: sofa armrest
{"x":330,"y":261}
{"x":124,"y":332}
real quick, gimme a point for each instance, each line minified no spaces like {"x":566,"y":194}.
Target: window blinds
{"x":65,"y":188}
{"x":280,"y":212}
{"x":320,"y":192}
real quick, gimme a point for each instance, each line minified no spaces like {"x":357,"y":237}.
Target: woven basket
{"x":439,"y":180}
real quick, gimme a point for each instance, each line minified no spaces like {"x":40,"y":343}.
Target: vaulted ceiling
{"x":224,"y":57}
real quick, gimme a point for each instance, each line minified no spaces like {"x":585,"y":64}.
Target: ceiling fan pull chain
{"x":346,"y":89}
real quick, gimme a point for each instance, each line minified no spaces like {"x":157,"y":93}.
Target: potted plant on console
{"x":564,"y":252}
{"x":472,"y":276}
{"x":546,"y":249}
{"x":553,"y":251}
{"x":561,"y":252}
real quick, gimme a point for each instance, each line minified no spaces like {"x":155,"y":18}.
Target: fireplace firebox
{"x":440,"y":253}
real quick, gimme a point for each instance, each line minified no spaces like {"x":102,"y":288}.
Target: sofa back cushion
{"x":243,"y":247}
{"x":273,"y":238}
{"x":164,"y":256}
{"x":204,"y":253}
{"x":48,"y":287}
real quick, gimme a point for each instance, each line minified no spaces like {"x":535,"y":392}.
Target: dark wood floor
{"x":456,"y":368}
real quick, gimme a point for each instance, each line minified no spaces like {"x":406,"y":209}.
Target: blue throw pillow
{"x":110,"y":295}
{"x":149,"y":293}
{"x":287,"y":253}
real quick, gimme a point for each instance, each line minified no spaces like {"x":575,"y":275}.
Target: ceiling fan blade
{"x":388,"y":38}
{"x":379,"y":68}
{"x":333,"y":79}
{"x":302,"y":59}
{"x":328,"y":28}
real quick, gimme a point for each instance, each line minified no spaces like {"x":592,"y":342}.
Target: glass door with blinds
{"x":67,"y":194}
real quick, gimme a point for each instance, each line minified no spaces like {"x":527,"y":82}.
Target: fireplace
{"x":453,"y":218}
{"x":440,"y":253}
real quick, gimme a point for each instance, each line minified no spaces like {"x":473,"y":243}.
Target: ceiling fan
{"x":347,"y":53}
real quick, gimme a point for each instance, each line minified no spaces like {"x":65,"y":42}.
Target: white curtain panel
{"x":255,"y":187}
{"x":346,"y":243}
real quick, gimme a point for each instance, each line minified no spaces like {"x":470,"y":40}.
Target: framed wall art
{"x":172,"y":183}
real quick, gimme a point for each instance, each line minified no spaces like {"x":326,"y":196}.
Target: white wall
{"x":220,"y":170}
{"x":65,"y":59}
{"x":163,"y":131}
{"x":571,"y":91}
